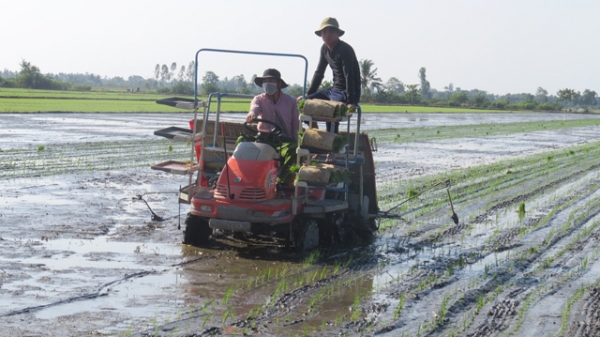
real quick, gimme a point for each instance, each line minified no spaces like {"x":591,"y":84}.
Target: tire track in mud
{"x":587,"y":322}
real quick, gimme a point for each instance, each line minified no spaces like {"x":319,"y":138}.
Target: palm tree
{"x":368,"y":77}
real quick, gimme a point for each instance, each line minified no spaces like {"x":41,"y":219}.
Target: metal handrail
{"x":248,"y":53}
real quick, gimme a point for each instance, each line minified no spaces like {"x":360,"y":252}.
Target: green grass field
{"x":27,"y":100}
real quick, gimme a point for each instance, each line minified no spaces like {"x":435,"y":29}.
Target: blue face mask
{"x":270,"y":88}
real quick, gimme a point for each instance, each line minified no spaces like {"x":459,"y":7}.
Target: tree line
{"x":179,"y":80}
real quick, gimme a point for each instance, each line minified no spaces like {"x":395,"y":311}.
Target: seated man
{"x":281,"y":108}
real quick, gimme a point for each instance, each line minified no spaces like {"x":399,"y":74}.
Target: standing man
{"x":281,"y":108}
{"x":346,"y":73}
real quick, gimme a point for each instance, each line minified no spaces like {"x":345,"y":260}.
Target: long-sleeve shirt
{"x":285,"y":112}
{"x":346,"y":72}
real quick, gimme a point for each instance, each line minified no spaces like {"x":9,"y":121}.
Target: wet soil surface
{"x":81,"y":256}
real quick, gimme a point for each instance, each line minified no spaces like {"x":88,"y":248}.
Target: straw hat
{"x":270,"y":73}
{"x":329,"y":22}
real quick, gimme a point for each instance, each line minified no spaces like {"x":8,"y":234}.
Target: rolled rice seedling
{"x":339,"y":142}
{"x":323,"y":108}
{"x":323,"y":140}
{"x":323,"y":174}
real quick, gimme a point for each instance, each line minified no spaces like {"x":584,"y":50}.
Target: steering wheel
{"x":276,"y":131}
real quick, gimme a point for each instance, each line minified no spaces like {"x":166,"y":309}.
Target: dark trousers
{"x":332,"y":95}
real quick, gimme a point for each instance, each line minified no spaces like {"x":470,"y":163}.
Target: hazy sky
{"x":507,"y":46}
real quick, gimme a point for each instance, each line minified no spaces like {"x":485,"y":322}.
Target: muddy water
{"x":79,"y":254}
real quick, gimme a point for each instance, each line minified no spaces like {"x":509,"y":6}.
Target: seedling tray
{"x":174,"y":132}
{"x":181,"y":103}
{"x":175,"y":167}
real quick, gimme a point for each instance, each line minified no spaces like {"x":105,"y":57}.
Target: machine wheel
{"x":365,"y":228}
{"x":307,"y":235}
{"x":197,"y":232}
{"x":332,"y":229}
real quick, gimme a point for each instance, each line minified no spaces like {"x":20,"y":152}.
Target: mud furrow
{"x":506,"y":271}
{"x":488,"y":327}
{"x":498,"y":318}
{"x":587,"y":322}
{"x":73,"y":158}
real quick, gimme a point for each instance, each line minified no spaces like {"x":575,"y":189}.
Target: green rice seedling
{"x":314,"y":277}
{"x":462,"y":261}
{"x":355,"y":312}
{"x":313,"y":302}
{"x":566,"y":312}
{"x":399,"y":308}
{"x":155,"y":325}
{"x":284,"y":270}
{"x":336,"y":268}
{"x":312,"y":258}
{"x":522,"y":311}
{"x":227,"y":295}
{"x":282,"y":286}
{"x":521,"y":210}
{"x":323,"y":272}
{"x":226,"y":315}
{"x":443,"y":311}
{"x":480,"y":304}
{"x":412,"y":193}
{"x":584,"y":263}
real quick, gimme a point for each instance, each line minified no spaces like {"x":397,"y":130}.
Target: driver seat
{"x":255,"y":151}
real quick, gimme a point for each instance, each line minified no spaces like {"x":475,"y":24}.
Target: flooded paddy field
{"x":81,"y":256}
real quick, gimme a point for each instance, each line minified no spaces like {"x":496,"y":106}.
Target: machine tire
{"x":307,"y":235}
{"x":362,"y":230}
{"x":197,"y":232}
{"x":332,"y":229}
